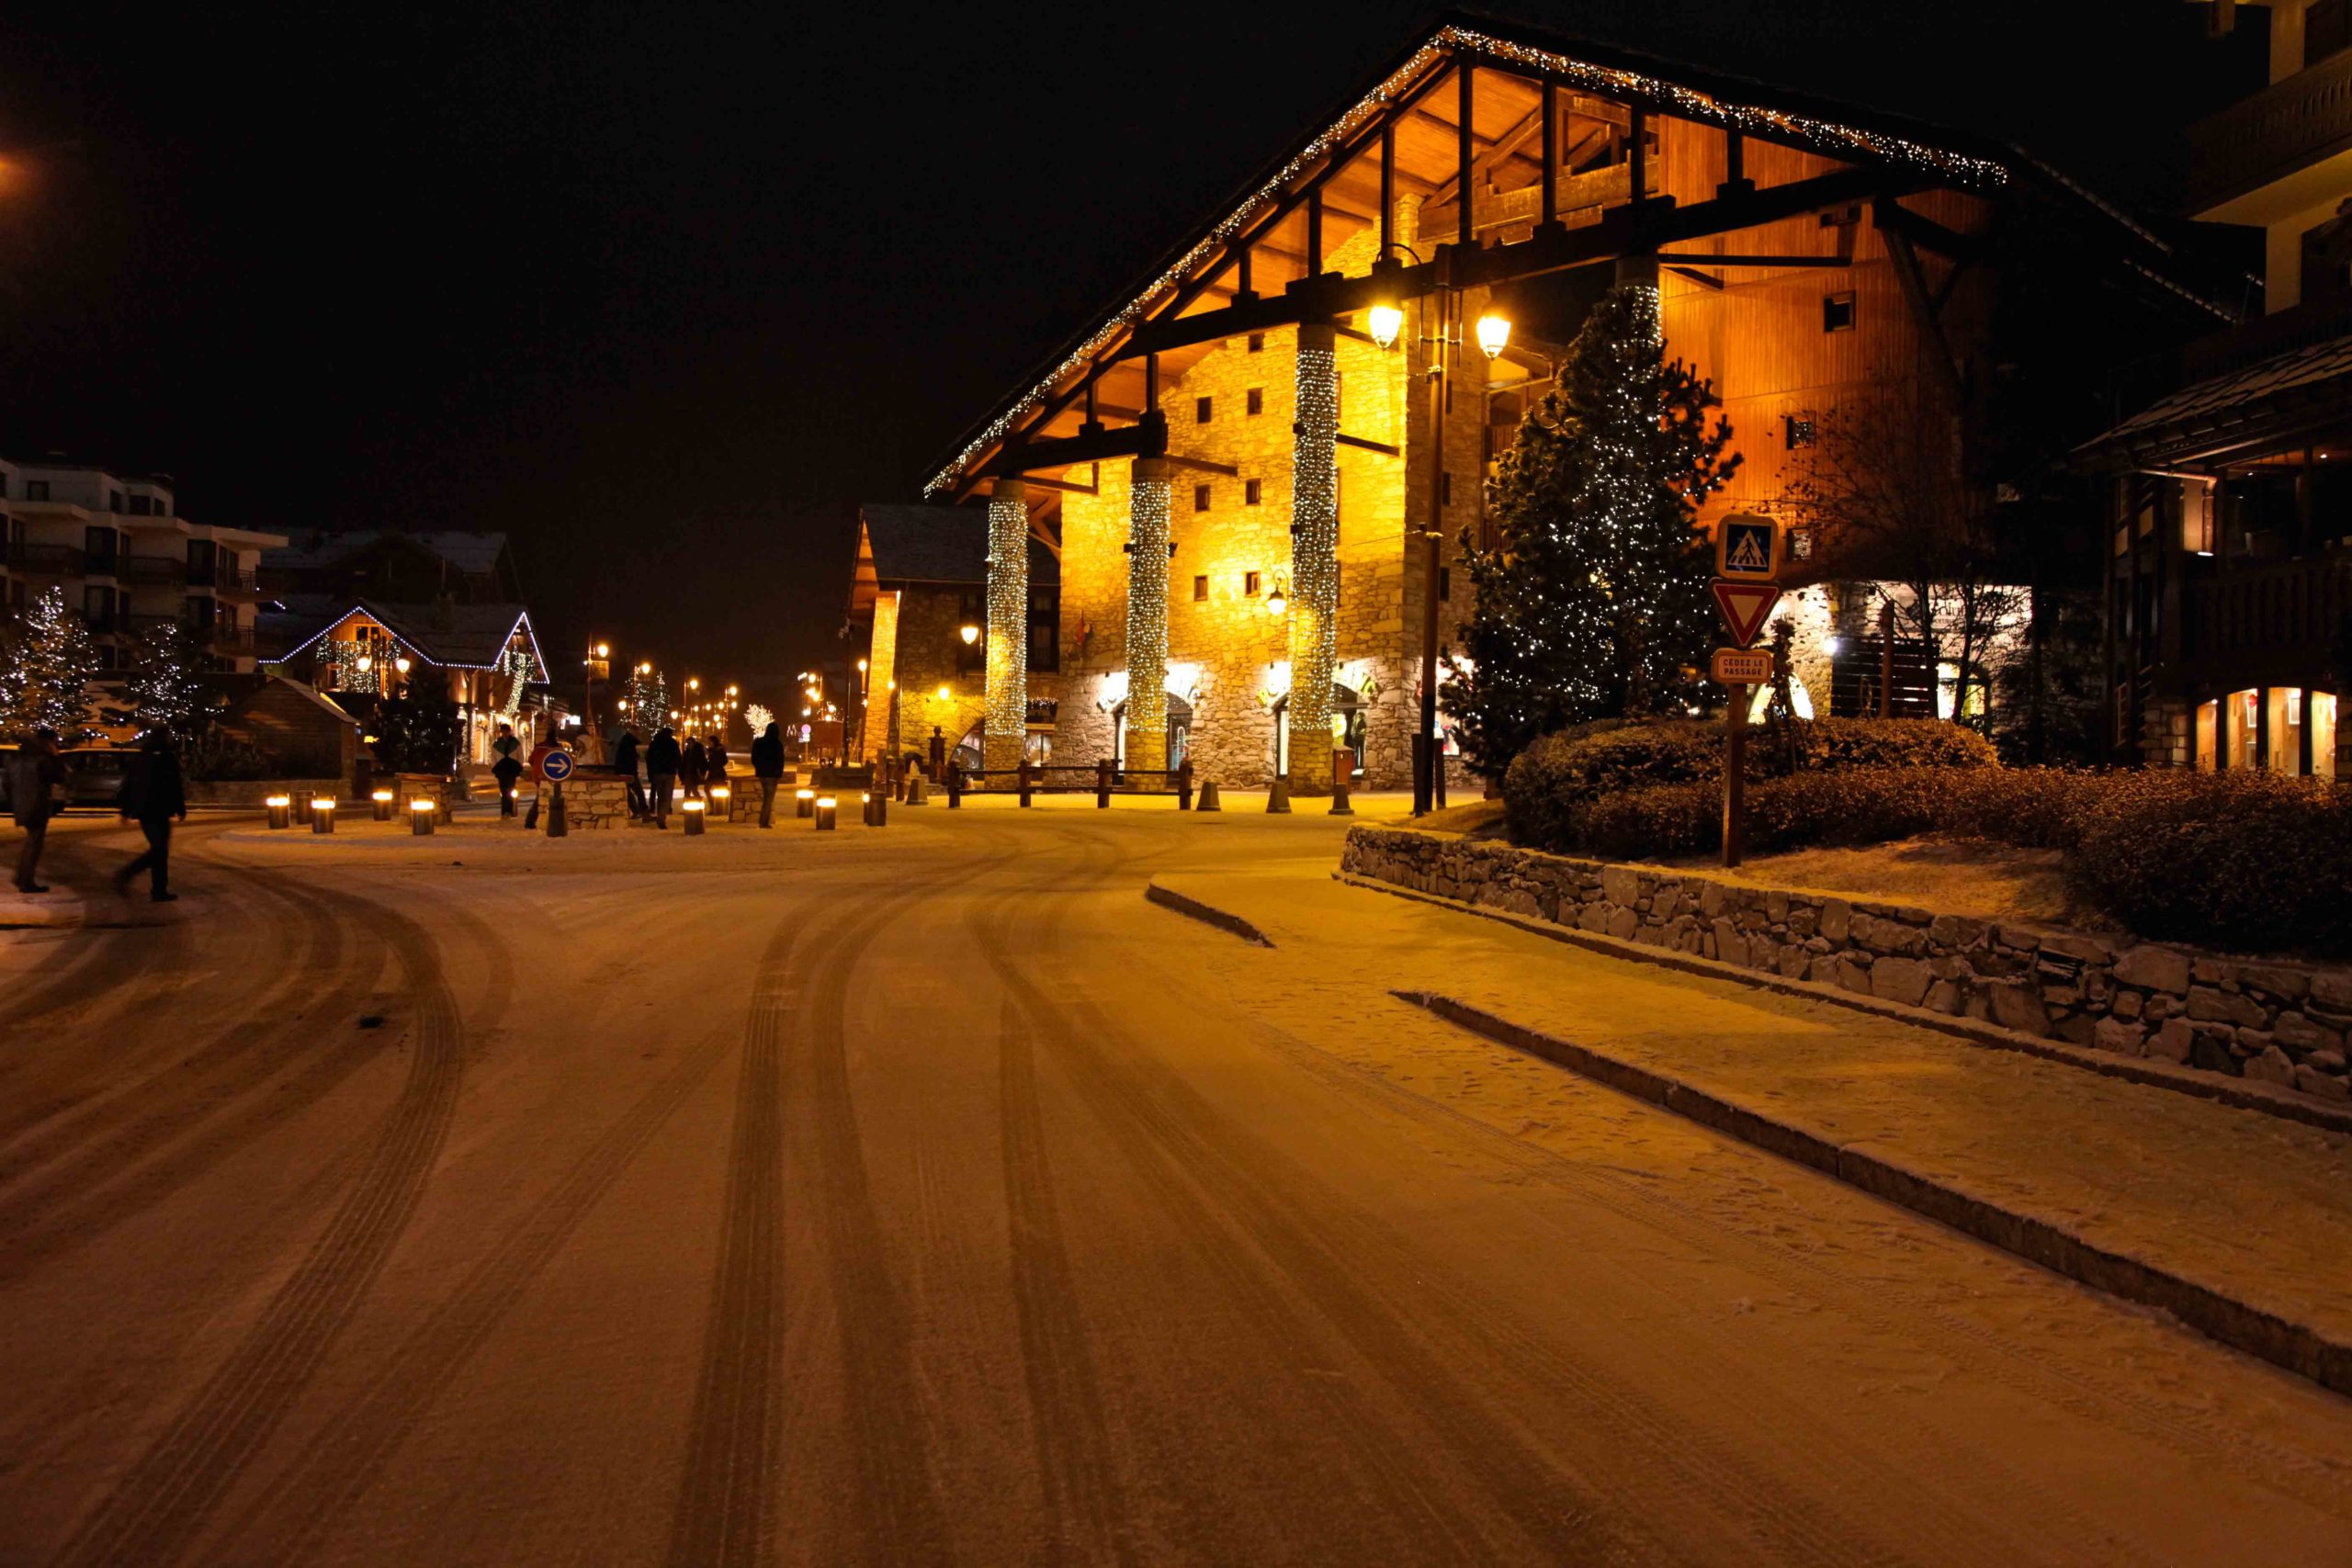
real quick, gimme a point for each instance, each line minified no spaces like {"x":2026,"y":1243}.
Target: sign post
{"x":1748,"y":552}
{"x":554,"y":768}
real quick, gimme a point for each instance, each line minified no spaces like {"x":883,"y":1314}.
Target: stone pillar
{"x":1005,"y":726}
{"x":1147,"y":494}
{"x":1314,"y":560}
{"x":874,"y":735}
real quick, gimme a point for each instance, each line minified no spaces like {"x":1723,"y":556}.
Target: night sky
{"x":664,"y":291}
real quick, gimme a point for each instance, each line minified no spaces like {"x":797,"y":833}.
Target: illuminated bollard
{"x":825,"y":804}
{"x":803,"y":803}
{"x":281,"y":810}
{"x":383,"y":799}
{"x":420,"y":817}
{"x":1278,"y":794}
{"x":695,"y":813}
{"x":876,"y":805}
{"x":322,"y":814}
{"x":722,"y":802}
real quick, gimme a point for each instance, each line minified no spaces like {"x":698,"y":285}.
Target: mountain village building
{"x":1240,"y":467}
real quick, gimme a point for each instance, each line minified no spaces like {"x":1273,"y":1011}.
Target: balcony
{"x":156,"y":571}
{"x":46,"y":560}
{"x":2265,"y":337}
{"x":140,"y":627}
{"x":2284,"y":128}
{"x":227,"y":640}
{"x":242,"y":584}
{"x":2270,"y":623}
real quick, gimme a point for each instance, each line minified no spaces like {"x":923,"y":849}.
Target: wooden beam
{"x":1550,"y":110}
{"x":1510,"y":141}
{"x":1147,"y":439}
{"x":1695,"y":275}
{"x":1702,"y":258}
{"x":1465,"y":149}
{"x":1923,"y":309}
{"x":1346,"y":440}
{"x":1203,"y":464}
{"x":1071,"y":486}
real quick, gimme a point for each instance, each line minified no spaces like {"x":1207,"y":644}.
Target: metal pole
{"x":1735,"y":777}
{"x":1425,"y":772}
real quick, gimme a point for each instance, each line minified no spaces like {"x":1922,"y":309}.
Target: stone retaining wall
{"x":2280,"y":1024}
{"x":250,"y":793}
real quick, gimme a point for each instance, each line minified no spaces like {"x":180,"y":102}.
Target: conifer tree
{"x":167,"y":688}
{"x":1593,"y":603}
{"x":46,"y":661}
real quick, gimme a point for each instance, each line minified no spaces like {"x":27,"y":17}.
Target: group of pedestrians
{"x":153,"y":795}
{"x":693,"y":766}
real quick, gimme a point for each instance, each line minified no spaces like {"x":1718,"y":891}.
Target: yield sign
{"x":1745,"y":607}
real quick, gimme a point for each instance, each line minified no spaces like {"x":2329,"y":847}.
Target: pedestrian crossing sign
{"x":1748,"y":550}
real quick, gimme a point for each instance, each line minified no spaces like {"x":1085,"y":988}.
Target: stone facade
{"x":2284,"y":1024}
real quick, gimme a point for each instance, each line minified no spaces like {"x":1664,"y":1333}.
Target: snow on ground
{"x":925,"y":1194}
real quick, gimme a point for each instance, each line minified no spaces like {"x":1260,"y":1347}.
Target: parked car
{"x":92,"y":775}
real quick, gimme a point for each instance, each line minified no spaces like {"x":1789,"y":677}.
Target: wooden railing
{"x":2263,"y":337}
{"x":2288,"y":609}
{"x":2274,"y":132}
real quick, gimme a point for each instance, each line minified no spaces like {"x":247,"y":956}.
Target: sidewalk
{"x":2238,"y":1221}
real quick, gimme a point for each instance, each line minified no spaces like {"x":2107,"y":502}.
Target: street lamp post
{"x":598,"y":666}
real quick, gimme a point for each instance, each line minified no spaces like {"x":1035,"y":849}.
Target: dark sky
{"x":663,"y":291}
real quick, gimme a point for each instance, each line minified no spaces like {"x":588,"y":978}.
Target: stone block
{"x":2018,"y":1005}
{"x":2332,"y":988}
{"x":2326,"y":1086}
{"x":1711,"y":899}
{"x":2173,"y":1041}
{"x":1794,"y":961}
{"x":2125,"y":1038}
{"x":1837,"y":919}
{"x":1776,"y":907}
{"x":1943,"y":997}
{"x":2208,"y":1047}
{"x":2271,"y":1066}
{"x":1621,"y":884}
{"x":2207,"y":1005}
{"x":1852,"y":974}
{"x":1623,"y":922}
{"x":1955,"y":933}
{"x":1818,"y":944}
{"x":1730,"y":946}
{"x":2075,"y":1029}
{"x":1900,"y":980}
{"x":1593,"y":917}
{"x":2277,"y":979}
{"x":2126,"y":1005}
{"x":2073,"y":944}
{"x":2023,"y":939}
{"x":1804,"y":921}
{"x":2208,"y":971}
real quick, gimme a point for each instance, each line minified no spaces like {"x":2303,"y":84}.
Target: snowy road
{"x":930,"y":1197}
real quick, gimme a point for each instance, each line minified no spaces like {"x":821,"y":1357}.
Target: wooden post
{"x":1735,"y":777}
{"x":1315,"y":233}
{"x":1465,"y":155}
{"x":1551,"y":112}
{"x":1387,"y":190}
{"x":1184,"y":784}
{"x":1023,"y":775}
{"x":1887,"y":661}
{"x":1103,"y":783}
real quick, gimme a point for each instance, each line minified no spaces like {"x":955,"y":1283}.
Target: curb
{"x":2234,"y":1092}
{"x":2297,"y":1347}
{"x":1154,"y":893}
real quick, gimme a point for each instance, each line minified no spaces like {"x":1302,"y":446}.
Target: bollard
{"x":322,"y":814}
{"x":420,"y":817}
{"x":694,"y":811}
{"x":1025,"y":781}
{"x":301,"y":810}
{"x":383,"y":799}
{"x":557,"y":827}
{"x":877,"y":809}
{"x":1209,"y":800}
{"x":825,"y":806}
{"x":1184,"y":786}
{"x":1103,"y":784}
{"x":722,"y":800}
{"x":1278,"y":794}
{"x":917,"y":793}
{"x":803,"y":803}
{"x":898,"y":780}
{"x":955,"y":786}
{"x":1343,"y":772}
{"x":281,"y":809}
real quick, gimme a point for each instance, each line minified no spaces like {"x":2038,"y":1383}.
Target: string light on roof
{"x":1684,"y":102}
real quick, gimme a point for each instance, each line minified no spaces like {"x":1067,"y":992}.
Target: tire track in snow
{"x":156,"y":1510}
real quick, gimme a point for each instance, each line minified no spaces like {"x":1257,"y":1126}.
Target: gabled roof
{"x":939,"y":544}
{"x":2268,"y":404}
{"x":469,"y":554}
{"x":465,"y":636}
{"x":1843,"y":131}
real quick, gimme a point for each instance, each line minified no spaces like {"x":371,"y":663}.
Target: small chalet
{"x":360,"y":651}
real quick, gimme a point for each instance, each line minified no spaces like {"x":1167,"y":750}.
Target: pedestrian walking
{"x":692,"y":767}
{"x":153,"y":796}
{"x":625,"y":764}
{"x":508,"y":769}
{"x":550,"y":742}
{"x":713,"y":760}
{"x":767,"y":762}
{"x":36,"y":775}
{"x":662,"y":761}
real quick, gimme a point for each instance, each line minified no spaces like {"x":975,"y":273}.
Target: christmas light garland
{"x":1313,"y":545}
{"x":1685,"y":103}
{"x":1007,"y":713}
{"x":1147,"y":503}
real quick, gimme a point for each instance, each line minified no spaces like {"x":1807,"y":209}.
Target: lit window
{"x":2322,"y":723}
{"x":2196,"y":517}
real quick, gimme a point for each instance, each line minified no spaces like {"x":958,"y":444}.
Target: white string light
{"x":1314,"y":551}
{"x":1007,"y":722}
{"x":1820,"y":135}
{"x":1148,"y":615}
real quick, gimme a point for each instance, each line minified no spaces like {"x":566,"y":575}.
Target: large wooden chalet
{"x":1239,"y":480}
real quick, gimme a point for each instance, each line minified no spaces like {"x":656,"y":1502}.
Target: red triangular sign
{"x":1746,"y":606}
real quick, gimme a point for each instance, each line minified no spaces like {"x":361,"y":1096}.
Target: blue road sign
{"x":556,"y":766}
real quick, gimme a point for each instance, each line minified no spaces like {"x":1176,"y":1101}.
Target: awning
{"x":2272,"y":405}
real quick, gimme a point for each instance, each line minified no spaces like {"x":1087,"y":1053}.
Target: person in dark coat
{"x":715,"y":760}
{"x":154,"y":795}
{"x":625,"y":764}
{"x":663,"y":759}
{"x":692,"y":767}
{"x":767,"y":761}
{"x":508,"y":769}
{"x":34,"y":775}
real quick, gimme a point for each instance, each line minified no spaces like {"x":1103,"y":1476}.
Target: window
{"x":1837,"y":312}
{"x":140,"y":505}
{"x":1200,"y":590}
{"x":100,"y":545}
{"x":1257,"y":342}
{"x":1445,"y":490}
{"x":2327,"y":28}
{"x":1200,"y":498}
{"x":36,"y":490}
{"x":2197,"y":517}
{"x":1255,"y":402}
{"x":1795,"y":431}
{"x":1044,"y":629}
{"x":97,"y":609}
{"x":1249,"y":584}
{"x":1250,"y":493}
{"x":1445,"y":582}
{"x":115,"y":502}
{"x":1200,"y":411}
{"x":4,"y":485}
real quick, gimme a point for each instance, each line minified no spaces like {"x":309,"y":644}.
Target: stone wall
{"x":249,"y":793}
{"x":2273,"y":1023}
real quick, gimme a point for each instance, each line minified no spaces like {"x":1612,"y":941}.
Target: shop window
{"x":1837,"y":312}
{"x":1256,"y":401}
{"x":1250,"y":493}
{"x":1200,"y":411}
{"x":1200,"y":498}
{"x":1796,"y":431}
{"x":2285,"y":706}
{"x":1200,"y":590}
{"x":2241,"y":724}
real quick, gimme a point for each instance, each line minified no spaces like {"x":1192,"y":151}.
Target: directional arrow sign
{"x":1745,"y":607}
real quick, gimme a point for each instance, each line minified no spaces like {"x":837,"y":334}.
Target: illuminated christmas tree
{"x":1593,"y":603}
{"x":648,"y":700}
{"x":46,"y":660}
{"x":167,"y":689}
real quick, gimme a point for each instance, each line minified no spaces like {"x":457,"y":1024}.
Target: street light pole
{"x":1426,"y":761}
